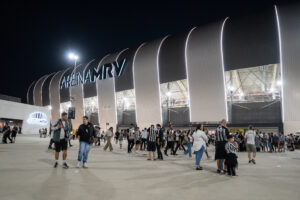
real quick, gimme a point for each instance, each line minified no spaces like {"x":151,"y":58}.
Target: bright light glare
{"x":50,"y":107}
{"x":169,"y":94}
{"x":231,"y":88}
{"x":279,"y":83}
{"x":242,"y":94}
{"x":272,"y":89}
{"x":72,"y":56}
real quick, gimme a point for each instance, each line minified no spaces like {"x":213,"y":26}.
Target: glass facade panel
{"x":254,"y":94}
{"x":254,"y":84}
{"x":126,"y":107}
{"x":91,"y":109}
{"x":174,"y":102}
{"x":64,"y":107}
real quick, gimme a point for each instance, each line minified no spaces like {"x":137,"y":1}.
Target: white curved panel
{"x":106,"y":97}
{"x":205,"y":74}
{"x":54,"y":95}
{"x":288,"y":21}
{"x":76,"y":95}
{"x":27,"y":95}
{"x":146,"y":83}
{"x":37,"y":91}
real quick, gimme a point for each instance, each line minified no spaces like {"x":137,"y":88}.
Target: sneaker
{"x":55,"y":164}
{"x":250,"y":161}
{"x":218,"y":171}
{"x":65,"y":166}
{"x":84,"y":165}
{"x":78,"y":164}
{"x":199,"y":168}
{"x":253,"y":161}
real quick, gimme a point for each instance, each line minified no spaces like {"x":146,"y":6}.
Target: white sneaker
{"x":84,"y":165}
{"x":78,"y":165}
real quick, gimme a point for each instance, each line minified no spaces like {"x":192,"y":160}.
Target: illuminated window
{"x":126,"y":107}
{"x":174,"y":94}
{"x":174,"y":102}
{"x":254,"y":84}
{"x":90,"y":105}
{"x":64,"y":107}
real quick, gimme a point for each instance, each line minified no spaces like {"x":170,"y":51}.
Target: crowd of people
{"x":270,"y":142}
{"x":9,"y":133}
{"x":161,"y":142}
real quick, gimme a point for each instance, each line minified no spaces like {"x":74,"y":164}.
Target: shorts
{"x":137,"y":142}
{"x":61,"y":145}
{"x":251,"y":148}
{"x":220,"y":150}
{"x":151,"y":146}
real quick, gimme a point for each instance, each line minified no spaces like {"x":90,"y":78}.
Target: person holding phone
{"x":61,"y":129}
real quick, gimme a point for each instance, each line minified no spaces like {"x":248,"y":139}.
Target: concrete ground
{"x":26,"y":172}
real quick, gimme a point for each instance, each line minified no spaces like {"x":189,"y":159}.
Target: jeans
{"x":199,"y":155}
{"x":179,"y":144}
{"x":189,"y":149}
{"x":159,"y":154}
{"x":84,"y":149}
{"x":130,"y":144}
{"x":144,"y":140}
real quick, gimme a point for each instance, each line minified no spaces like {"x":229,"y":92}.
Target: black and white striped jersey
{"x":221,"y":133}
{"x":230,"y":148}
{"x":152,"y":135}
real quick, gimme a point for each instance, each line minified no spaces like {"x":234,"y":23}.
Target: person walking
{"x":179,"y":142}
{"x":14,"y":134}
{"x":189,"y":139}
{"x":130,"y":138}
{"x":98,"y":135}
{"x":250,"y":144}
{"x":170,"y":140}
{"x":61,"y":130}
{"x":6,"y":134}
{"x":144,"y":139}
{"x":109,"y":135}
{"x":151,"y":147}
{"x":121,"y":138}
{"x":200,"y":140}
{"x":117,"y":134}
{"x":86,"y":134}
{"x":159,"y":141}
{"x":137,"y":139}
{"x":221,"y":139}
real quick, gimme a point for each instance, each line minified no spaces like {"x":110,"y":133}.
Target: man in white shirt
{"x":130,"y":138}
{"x":144,"y":139}
{"x":250,"y":144}
{"x":108,"y":135}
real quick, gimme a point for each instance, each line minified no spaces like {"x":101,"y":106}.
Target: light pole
{"x":74,"y":57}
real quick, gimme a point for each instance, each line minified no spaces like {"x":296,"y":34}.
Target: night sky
{"x":35,"y":38}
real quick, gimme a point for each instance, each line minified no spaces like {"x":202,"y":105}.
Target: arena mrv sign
{"x":106,"y":71}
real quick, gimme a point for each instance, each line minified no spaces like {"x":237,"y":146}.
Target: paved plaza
{"x":26,"y":172}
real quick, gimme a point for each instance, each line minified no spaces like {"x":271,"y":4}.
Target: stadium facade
{"x":245,"y":69}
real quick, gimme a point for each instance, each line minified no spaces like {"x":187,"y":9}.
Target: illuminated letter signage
{"x":38,"y":118}
{"x":106,"y":71}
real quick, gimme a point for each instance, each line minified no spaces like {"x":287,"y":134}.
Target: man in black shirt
{"x":6,"y":134}
{"x":221,"y":139}
{"x":159,"y":141}
{"x":86,"y":134}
